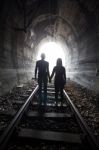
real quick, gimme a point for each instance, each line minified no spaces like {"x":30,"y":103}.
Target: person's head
{"x":59,"y":62}
{"x":43,"y":56}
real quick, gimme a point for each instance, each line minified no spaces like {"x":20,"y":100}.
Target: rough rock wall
{"x":76,"y":22}
{"x":83,"y":17}
{"x":16,"y":52}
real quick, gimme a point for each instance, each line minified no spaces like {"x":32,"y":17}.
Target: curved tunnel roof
{"x":73,"y":23}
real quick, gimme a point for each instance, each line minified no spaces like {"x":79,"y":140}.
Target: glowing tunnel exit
{"x":52,"y":51}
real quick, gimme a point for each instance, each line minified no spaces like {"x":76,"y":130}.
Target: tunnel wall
{"x":83,"y":19}
{"x":78,"y":26}
{"x":16,"y":58}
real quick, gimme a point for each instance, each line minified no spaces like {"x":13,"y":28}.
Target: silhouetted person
{"x":60,"y":79}
{"x":42,"y":67}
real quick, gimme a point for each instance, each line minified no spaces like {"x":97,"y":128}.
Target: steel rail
{"x":88,"y":134}
{"x":11,"y":127}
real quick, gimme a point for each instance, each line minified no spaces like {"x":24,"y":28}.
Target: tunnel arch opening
{"x":53,"y":49}
{"x":62,"y":31}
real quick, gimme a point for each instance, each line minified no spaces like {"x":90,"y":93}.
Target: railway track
{"x":52,"y":127}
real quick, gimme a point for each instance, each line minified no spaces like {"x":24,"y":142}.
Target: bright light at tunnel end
{"x":52,"y":51}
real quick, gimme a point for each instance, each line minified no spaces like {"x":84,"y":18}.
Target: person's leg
{"x":56,"y":94}
{"x":40,"y":91}
{"x":61,"y":94}
{"x":45,"y":91}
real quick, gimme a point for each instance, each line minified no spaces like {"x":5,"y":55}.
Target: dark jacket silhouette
{"x":42,"y":67}
{"x":60,"y":78}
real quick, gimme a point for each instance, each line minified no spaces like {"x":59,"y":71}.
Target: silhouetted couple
{"x":42,"y":67}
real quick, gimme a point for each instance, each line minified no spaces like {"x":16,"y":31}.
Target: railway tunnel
{"x":67,"y":29}
{"x":26,"y":25}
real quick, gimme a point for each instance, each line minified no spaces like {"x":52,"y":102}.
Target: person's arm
{"x":48,"y":70}
{"x":65,"y":75}
{"x":36,"y":71}
{"x":52,"y":73}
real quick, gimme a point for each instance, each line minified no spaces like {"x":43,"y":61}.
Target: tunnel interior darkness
{"x":26,"y":25}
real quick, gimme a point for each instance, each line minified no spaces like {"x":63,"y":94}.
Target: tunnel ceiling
{"x":65,"y":18}
{"x":73,"y":22}
{"x":79,"y":14}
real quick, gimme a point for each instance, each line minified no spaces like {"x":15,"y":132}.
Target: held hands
{"x":49,"y":79}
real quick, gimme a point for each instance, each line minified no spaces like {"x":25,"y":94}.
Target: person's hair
{"x":59,"y":62}
{"x":43,"y":56}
